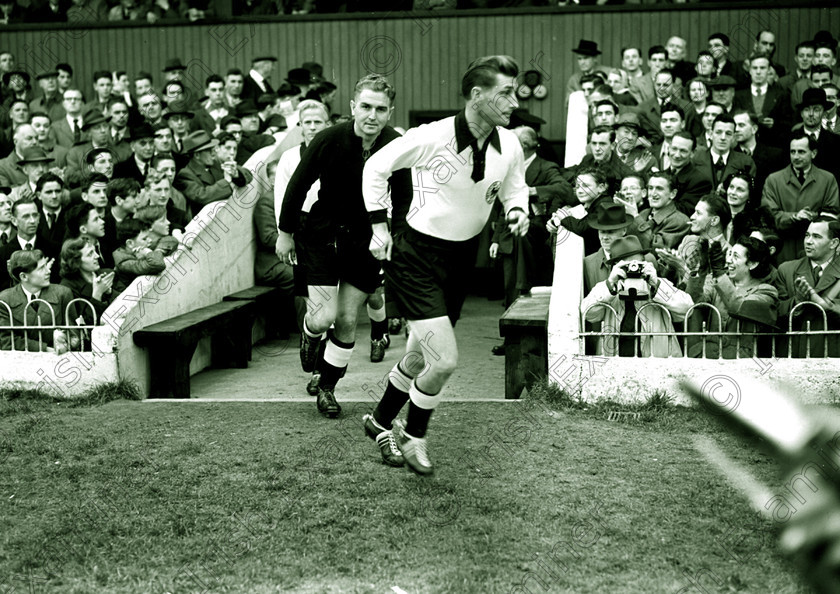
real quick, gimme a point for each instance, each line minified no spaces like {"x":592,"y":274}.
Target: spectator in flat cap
{"x":142,"y":148}
{"x":587,"y":53}
{"x":626,"y":147}
{"x":257,"y":81}
{"x":50,"y":100}
{"x":204,"y":179}
{"x":723,"y":91}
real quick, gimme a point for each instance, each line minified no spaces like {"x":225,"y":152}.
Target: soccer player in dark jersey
{"x":340,"y":270}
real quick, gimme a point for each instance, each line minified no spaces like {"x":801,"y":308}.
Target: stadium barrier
{"x":215,"y":259}
{"x":635,"y":379}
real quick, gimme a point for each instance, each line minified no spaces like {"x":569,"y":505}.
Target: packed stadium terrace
{"x":704,"y":184}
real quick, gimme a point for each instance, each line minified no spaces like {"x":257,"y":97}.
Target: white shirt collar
{"x":530,"y":160}
{"x":759,"y":88}
{"x":31,"y":296}
{"x":23,"y":241}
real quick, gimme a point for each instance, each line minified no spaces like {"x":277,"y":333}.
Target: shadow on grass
{"x":15,"y":399}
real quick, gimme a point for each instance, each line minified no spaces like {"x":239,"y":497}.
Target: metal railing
{"x":71,"y":328}
{"x":744,"y":344}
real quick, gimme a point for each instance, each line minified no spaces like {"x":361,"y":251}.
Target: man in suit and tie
{"x":650,"y":112}
{"x":769,"y":102}
{"x":7,"y":230}
{"x":256,"y":83}
{"x":68,"y":130}
{"x":31,"y":271}
{"x":142,"y":150}
{"x":767,"y":158}
{"x":830,"y":121}
{"x":210,"y":112}
{"x":798,"y":194}
{"x":204,"y":179}
{"x":689,"y":181}
{"x":808,"y":279}
{"x":811,"y":110}
{"x":25,"y":218}
{"x":53,"y":221}
{"x":719,"y":161}
{"x":11,"y":173}
{"x":671,"y":121}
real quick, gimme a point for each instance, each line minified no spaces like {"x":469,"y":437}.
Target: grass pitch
{"x":533,"y":496}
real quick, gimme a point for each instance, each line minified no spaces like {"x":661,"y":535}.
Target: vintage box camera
{"x":635,"y":285}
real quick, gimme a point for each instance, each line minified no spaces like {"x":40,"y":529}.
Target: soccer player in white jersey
{"x":460,"y":165}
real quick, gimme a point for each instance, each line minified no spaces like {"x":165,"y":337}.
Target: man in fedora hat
{"x":204,"y":179}
{"x":814,"y":104}
{"x":257,"y":81}
{"x":301,"y":78}
{"x":587,"y":53}
{"x":11,"y":174}
{"x":173,"y":70}
{"x":142,"y":150}
{"x":34,"y":163}
{"x":97,"y":128}
{"x":50,"y":101}
{"x":611,"y":295}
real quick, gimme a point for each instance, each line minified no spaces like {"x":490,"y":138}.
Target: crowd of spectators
{"x":718,"y":178}
{"x":725,"y":171}
{"x":99,"y":180}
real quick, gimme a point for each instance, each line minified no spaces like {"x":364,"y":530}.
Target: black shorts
{"x":428,"y":277}
{"x":328,"y":255}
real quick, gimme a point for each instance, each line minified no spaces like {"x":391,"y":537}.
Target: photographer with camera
{"x":632,"y":283}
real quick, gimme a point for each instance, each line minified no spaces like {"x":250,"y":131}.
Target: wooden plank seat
{"x":524,"y":327}
{"x":171,"y":344}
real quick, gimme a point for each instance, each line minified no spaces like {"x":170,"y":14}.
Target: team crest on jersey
{"x":492,"y":192}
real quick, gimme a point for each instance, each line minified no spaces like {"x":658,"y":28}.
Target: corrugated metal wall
{"x":424,"y":56}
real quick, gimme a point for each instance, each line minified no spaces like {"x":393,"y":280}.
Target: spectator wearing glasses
{"x":68,"y":130}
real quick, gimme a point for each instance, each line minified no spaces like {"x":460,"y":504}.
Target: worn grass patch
{"x":262,"y":497}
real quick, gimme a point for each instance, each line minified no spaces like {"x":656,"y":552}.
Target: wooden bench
{"x":524,"y":327}
{"x":171,"y":344}
{"x":269,"y":301}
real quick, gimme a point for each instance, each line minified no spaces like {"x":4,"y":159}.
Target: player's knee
{"x":445,"y":364}
{"x":345,"y":320}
